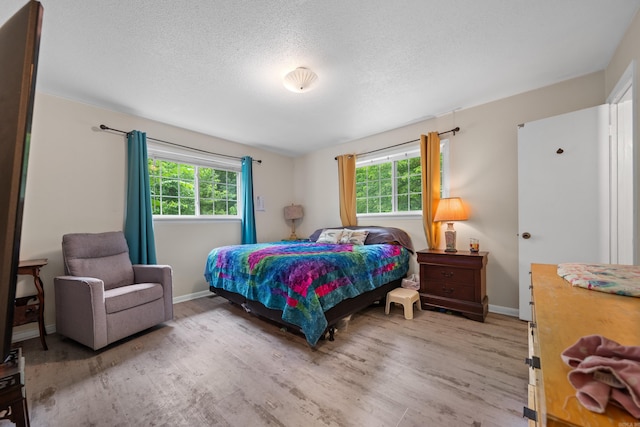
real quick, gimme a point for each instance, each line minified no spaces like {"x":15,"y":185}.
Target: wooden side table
{"x":30,"y":308}
{"x":454,"y":281}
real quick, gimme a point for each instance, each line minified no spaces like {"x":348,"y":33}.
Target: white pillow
{"x":353,"y":237}
{"x":329,"y":236}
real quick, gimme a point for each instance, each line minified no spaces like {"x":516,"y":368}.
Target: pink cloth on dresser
{"x":604,"y":371}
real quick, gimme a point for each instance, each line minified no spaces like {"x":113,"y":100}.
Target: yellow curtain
{"x":430,"y":161}
{"x":347,"y":184}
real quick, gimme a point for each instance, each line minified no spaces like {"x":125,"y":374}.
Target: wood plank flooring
{"x":216,"y":365}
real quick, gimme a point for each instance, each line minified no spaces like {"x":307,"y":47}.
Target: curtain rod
{"x":454,"y":130}
{"x":104,"y":127}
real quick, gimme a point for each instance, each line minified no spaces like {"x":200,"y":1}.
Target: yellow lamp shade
{"x":450,"y":209}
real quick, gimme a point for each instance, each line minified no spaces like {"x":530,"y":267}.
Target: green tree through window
{"x":191,"y":190}
{"x":394,"y":186}
{"x":395,"y":183}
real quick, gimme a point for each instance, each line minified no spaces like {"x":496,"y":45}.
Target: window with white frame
{"x":392,"y":183}
{"x":189,"y":185}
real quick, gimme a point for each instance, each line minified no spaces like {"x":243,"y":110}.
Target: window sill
{"x":185,"y":218}
{"x":392,"y":215}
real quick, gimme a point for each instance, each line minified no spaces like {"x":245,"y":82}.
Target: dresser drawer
{"x":450,"y":290}
{"x":532,"y":404}
{"x":536,"y":389}
{"x":448,"y":274}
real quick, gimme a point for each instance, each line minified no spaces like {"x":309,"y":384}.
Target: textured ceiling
{"x":216,"y":66}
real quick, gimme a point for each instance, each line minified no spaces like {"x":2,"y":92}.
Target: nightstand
{"x":455,"y":281}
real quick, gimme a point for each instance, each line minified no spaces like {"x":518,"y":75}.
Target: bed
{"x":309,"y":286}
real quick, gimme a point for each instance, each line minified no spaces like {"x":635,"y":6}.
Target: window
{"x":393,"y":184}
{"x":182,"y":185}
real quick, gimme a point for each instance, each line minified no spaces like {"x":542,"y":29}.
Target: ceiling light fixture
{"x":300,"y":80}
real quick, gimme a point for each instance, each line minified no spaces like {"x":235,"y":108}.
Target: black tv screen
{"x":19,"y":45}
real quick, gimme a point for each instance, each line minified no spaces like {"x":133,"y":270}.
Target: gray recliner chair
{"x":103,"y":297}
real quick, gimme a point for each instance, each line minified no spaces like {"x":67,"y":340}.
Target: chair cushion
{"x":104,"y":256}
{"x":125,"y":297}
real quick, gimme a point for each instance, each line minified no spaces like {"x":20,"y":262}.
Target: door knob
{"x":526,"y":235}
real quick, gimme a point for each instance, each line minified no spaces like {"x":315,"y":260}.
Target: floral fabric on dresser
{"x":610,"y":278}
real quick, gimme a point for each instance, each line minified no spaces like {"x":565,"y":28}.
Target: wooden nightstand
{"x":455,"y":281}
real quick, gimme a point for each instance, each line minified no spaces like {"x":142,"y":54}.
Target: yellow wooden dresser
{"x":561,"y":315}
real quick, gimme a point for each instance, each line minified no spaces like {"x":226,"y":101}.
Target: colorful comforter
{"x":303,"y":280}
{"x":610,"y":278}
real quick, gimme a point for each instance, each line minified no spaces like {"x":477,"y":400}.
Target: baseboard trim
{"x":51,"y":329}
{"x":507,"y":311}
{"x":189,"y":297}
{"x":33,"y":332}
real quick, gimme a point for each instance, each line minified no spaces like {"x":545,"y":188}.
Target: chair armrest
{"x":80,"y":310}
{"x":80,"y":284}
{"x":152,"y":274}
{"x":162,"y":274}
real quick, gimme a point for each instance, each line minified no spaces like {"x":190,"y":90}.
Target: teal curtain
{"x":138,"y":225}
{"x":248,"y":214}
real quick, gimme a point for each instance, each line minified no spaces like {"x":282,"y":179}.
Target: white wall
{"x":76,"y":183}
{"x":627,"y":50}
{"x":483,"y":173}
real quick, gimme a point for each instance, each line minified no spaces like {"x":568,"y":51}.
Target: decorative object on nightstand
{"x":449,"y":210}
{"x":291,"y":213}
{"x":454,"y":281}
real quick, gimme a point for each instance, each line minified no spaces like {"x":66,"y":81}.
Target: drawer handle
{"x":447,"y":290}
{"x":530,"y":413}
{"x":447,"y":274}
{"x":533,"y":362}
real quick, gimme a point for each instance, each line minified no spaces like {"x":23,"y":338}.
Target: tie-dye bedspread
{"x":303,"y":280}
{"x":610,"y":278}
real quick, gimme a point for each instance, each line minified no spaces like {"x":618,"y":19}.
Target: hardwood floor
{"x":217,"y":365}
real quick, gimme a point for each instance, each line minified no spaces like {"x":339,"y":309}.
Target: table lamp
{"x":292,"y":213}
{"x":449,"y":210}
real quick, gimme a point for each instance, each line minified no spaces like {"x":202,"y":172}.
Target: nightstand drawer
{"x":450,"y":290}
{"x":448,"y":274}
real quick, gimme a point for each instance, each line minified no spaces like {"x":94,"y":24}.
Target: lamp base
{"x":293,"y":230}
{"x":450,"y":238}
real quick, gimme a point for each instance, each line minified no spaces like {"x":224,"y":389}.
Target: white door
{"x":563,"y":192}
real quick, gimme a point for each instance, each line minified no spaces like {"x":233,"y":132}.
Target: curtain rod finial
{"x":103,"y":127}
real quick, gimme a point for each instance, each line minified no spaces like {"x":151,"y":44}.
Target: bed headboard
{"x":377,"y":235}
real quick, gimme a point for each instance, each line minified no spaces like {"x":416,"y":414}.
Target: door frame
{"x":624,"y":220}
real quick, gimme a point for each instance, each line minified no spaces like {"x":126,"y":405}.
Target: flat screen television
{"x":19,"y":46}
